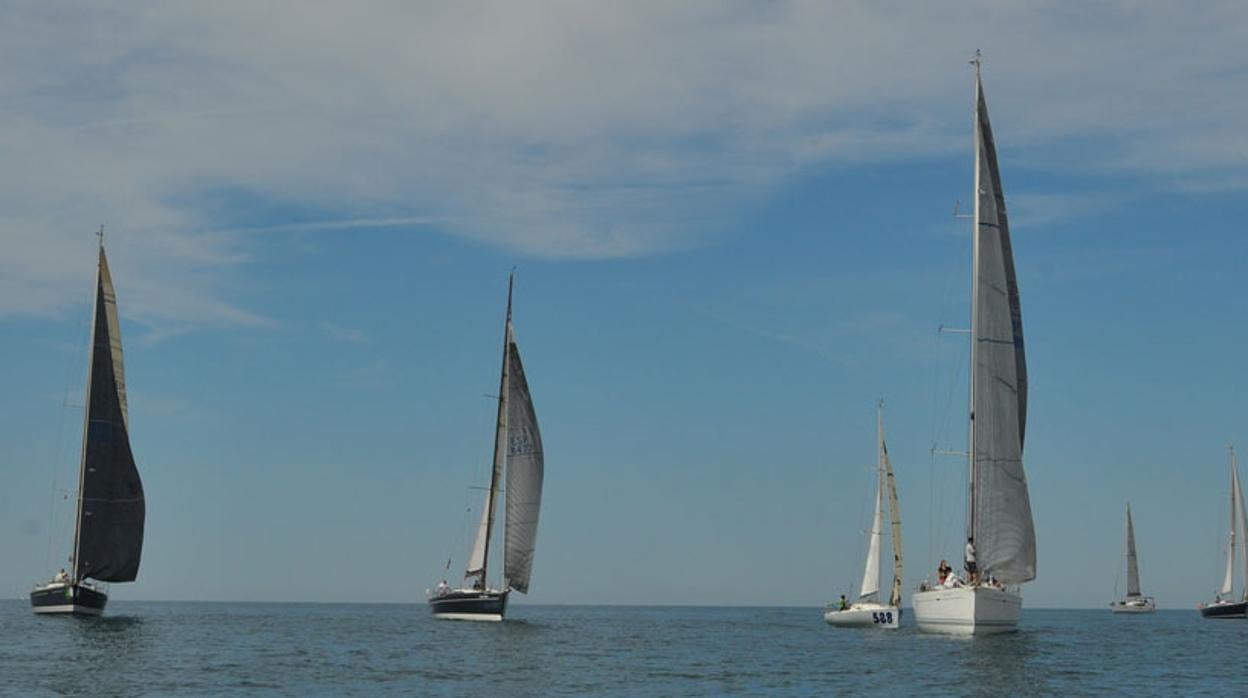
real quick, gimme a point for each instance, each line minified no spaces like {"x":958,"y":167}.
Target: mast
{"x":500,"y":435}
{"x":86,"y":412}
{"x":970,"y":451}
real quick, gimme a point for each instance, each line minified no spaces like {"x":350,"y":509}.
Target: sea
{"x":200,"y":649}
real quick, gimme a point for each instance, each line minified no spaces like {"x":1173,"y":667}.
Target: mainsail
{"x":1133,"y":569}
{"x":524,"y":474}
{"x":108,"y":538}
{"x":894,"y":510}
{"x":1000,"y":509}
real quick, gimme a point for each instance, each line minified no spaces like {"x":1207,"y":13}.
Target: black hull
{"x":68,"y":599}
{"x":1225,"y":610}
{"x":469,"y":605}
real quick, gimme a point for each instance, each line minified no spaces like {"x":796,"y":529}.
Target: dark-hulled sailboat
{"x":1225,"y":604}
{"x":108,"y":533}
{"x":518,"y":462}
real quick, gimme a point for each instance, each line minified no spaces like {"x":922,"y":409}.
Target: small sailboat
{"x":108,"y":530}
{"x":1224,"y":604}
{"x":1001,"y":538}
{"x":518,"y":462}
{"x":867,"y":611}
{"x":1135,"y":602}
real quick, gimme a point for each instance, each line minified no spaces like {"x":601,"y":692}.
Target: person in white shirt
{"x":972,"y":571}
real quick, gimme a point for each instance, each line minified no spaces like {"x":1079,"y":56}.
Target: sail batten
{"x":111,"y":507}
{"x":999,"y":517}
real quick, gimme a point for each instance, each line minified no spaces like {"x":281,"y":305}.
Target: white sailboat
{"x":519,"y":462}
{"x":867,"y":610}
{"x":1135,"y":602}
{"x":999,"y":527}
{"x":1225,"y":605}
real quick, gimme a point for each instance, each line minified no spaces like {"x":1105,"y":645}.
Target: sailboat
{"x":108,"y":530}
{"x":518,"y":463}
{"x":867,"y":610}
{"x":1135,"y":602}
{"x":1224,"y":605}
{"x":1001,"y":540}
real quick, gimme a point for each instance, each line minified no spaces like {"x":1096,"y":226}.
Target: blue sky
{"x":733,"y":232}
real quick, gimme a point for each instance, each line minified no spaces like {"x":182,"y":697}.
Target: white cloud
{"x":558,"y":129}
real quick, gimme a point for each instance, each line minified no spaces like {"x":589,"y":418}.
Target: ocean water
{"x":361,"y":649}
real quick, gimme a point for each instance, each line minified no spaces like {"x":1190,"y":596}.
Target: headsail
{"x":1133,"y":569}
{"x":1000,"y":507}
{"x":479,"y":557}
{"x":525,"y":465}
{"x":111,"y":510}
{"x":871,"y":574}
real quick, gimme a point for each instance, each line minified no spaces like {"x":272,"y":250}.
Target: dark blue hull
{"x":1225,"y":610}
{"x":72,"y":599}
{"x":463,"y":604}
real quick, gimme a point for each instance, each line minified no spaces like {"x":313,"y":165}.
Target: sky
{"x":733,"y":232}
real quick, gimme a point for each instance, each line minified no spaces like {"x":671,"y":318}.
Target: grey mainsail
{"x":108,"y":538}
{"x":1000,"y":508}
{"x":525,"y":465}
{"x":1133,"y":569}
{"x":894,"y":598}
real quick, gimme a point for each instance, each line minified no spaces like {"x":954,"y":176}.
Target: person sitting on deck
{"x":476,"y":583}
{"x":61,"y":576}
{"x":443,"y":588}
{"x":843,"y":605}
{"x":942,"y":571}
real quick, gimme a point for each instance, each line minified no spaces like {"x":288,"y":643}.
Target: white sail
{"x":871,"y":575}
{"x":525,"y":464}
{"x":894,"y":598}
{"x":1000,"y":508}
{"x":1133,"y":569}
{"x":479,"y":558}
{"x":476,"y":559}
{"x":1228,"y":580}
{"x":1239,"y":524}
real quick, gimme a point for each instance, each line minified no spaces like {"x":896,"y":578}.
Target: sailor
{"x":971,"y":570}
{"x":443,"y":587}
{"x":476,"y":583}
{"x":844,"y":605}
{"x":61,"y":576}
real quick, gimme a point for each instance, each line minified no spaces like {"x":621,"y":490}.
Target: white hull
{"x":864,"y":615}
{"x":1140,"y":605}
{"x":488,"y":617}
{"x":967,"y":610}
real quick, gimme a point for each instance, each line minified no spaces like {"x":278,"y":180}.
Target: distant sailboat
{"x":108,"y":531}
{"x":1135,"y":602}
{"x":867,"y":610}
{"x":999,"y":523}
{"x":518,"y":452}
{"x":1224,"y":605}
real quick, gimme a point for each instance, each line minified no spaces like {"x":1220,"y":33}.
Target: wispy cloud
{"x":580,"y":130}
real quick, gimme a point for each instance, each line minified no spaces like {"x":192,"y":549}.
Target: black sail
{"x":112,"y":513}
